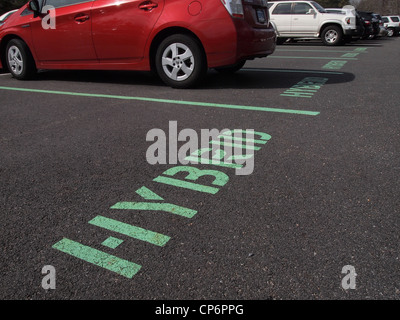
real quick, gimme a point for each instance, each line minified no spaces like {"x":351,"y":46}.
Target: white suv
{"x":392,"y":24}
{"x":308,"y":19}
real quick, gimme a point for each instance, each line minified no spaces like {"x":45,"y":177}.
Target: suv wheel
{"x":180,"y":61}
{"x":19,"y":60}
{"x":390,"y":32}
{"x":332,"y":36}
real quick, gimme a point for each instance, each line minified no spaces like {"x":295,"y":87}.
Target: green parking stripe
{"x":316,"y":58}
{"x":291,"y":71}
{"x":130,"y":230}
{"x":99,"y":258}
{"x":314,"y":50}
{"x":190,"y":103}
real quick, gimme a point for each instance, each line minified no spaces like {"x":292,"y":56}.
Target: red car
{"x":179,"y":39}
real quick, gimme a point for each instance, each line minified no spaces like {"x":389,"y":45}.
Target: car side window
{"x":283,"y":8}
{"x":64,"y":3}
{"x":301,"y":8}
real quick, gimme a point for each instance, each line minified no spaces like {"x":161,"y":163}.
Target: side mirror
{"x":311,"y":11}
{"x":35,"y":7}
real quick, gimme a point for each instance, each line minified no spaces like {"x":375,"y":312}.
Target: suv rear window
{"x":395,"y":19}
{"x":283,"y":8}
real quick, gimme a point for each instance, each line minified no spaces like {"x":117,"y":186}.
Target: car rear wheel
{"x":332,"y":36}
{"x":19,"y":60}
{"x":180,"y":61}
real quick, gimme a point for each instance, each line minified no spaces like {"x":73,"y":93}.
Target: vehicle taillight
{"x":348,"y":20}
{"x":367,"y":22}
{"x":234,"y":7}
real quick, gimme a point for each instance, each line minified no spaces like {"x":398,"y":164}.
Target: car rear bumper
{"x":254,"y":42}
{"x":240,"y":41}
{"x":353,"y":32}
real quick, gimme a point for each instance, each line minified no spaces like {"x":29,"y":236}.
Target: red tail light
{"x":234,"y":7}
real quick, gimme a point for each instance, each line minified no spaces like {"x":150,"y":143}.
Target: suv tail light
{"x":234,"y":7}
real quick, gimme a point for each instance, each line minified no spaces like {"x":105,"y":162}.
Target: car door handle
{"x":81,"y":17}
{"x":148,"y":5}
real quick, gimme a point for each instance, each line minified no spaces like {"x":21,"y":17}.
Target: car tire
{"x":231,"y":69}
{"x":390,"y":32}
{"x":332,"y":36}
{"x":19,"y":60}
{"x":180,"y":61}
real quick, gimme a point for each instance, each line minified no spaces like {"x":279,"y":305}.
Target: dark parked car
{"x":371,"y":25}
{"x":383,"y":32}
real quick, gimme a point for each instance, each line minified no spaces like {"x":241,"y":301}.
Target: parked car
{"x":179,"y":39}
{"x":308,"y":19}
{"x":4,"y":16}
{"x":392,"y":23}
{"x":371,"y":25}
{"x":383,"y":32}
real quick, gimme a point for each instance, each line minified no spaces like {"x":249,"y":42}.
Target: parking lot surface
{"x":78,"y":194}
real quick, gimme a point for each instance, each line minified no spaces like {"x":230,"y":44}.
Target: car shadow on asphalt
{"x":247,"y":78}
{"x":313,"y":43}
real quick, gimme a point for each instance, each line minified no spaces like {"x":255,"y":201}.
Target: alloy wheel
{"x":178,"y":61}
{"x":15,"y":60}
{"x":331,"y":36}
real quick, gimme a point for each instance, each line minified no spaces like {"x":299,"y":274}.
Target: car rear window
{"x":395,"y":19}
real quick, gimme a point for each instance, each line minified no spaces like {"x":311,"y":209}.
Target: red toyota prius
{"x":178,"y":39}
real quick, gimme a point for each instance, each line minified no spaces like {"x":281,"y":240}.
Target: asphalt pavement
{"x":78,"y":194}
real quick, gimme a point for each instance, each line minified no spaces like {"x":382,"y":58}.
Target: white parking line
{"x":4,"y":74}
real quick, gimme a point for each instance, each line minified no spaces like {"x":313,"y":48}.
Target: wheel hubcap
{"x":178,"y":61}
{"x":15,"y":60}
{"x":331,"y":36}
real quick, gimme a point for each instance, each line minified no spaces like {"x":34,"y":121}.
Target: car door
{"x":122,"y":28}
{"x":71,"y":39}
{"x":304,"y":21}
{"x":281,"y":17}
